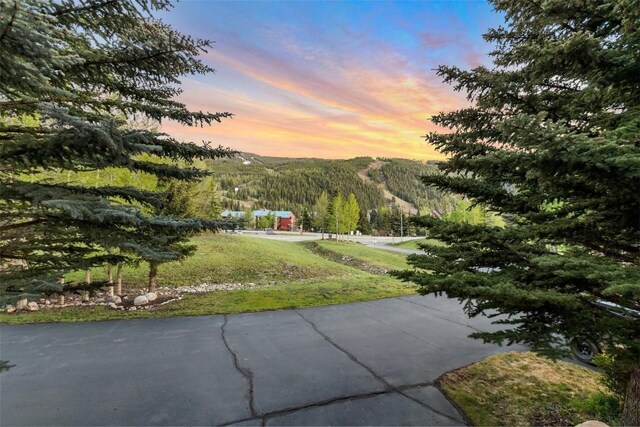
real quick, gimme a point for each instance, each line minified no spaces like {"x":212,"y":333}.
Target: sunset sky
{"x":329,"y":79}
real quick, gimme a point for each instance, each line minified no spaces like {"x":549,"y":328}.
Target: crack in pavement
{"x":388,"y":386}
{"x":461,"y":323}
{"x":354,"y":397}
{"x":246,"y":373}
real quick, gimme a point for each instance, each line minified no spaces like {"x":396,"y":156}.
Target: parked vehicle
{"x":586,"y":350}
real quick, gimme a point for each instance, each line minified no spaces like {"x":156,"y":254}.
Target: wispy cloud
{"x":302,"y":89}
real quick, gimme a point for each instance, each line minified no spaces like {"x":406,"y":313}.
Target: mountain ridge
{"x":249,"y":180}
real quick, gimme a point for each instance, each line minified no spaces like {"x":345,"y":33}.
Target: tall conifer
{"x":72,"y":74}
{"x":552,"y":142}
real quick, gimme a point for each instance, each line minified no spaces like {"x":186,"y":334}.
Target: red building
{"x":286,"y":220}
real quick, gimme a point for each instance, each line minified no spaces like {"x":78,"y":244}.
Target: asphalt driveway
{"x":370,"y":363}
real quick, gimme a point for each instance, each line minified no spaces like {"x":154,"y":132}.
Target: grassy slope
{"x":293,"y":277}
{"x":379,"y":257}
{"x":510,"y":388}
{"x":413,"y":244}
{"x":223,"y":258}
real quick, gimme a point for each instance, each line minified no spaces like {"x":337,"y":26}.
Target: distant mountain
{"x":253,"y":181}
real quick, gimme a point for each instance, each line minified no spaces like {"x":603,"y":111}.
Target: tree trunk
{"x":153,"y":275}
{"x":87,"y":280}
{"x":61,"y":300}
{"x":110,"y":279}
{"x":631,"y":409}
{"x":119,"y":280}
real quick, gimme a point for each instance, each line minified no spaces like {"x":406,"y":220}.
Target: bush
{"x":600,"y":406}
{"x":615,"y":376}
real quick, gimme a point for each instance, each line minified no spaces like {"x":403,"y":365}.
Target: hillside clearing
{"x":364,"y":176}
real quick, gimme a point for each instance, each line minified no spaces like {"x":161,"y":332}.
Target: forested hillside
{"x":401,"y":178}
{"x":295,"y":184}
{"x":249,"y":181}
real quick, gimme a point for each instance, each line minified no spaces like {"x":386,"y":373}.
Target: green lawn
{"x":525,"y":389}
{"x":233,"y":259}
{"x":413,"y":244}
{"x":378,"y":257}
{"x":357,"y":287}
{"x":290,"y":276}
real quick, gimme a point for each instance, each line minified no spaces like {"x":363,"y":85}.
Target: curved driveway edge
{"x":367,"y":363}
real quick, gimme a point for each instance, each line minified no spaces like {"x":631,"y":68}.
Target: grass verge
{"x":526,"y":389}
{"x":413,"y":244}
{"x":358,"y":287}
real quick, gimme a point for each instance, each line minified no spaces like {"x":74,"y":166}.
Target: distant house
{"x":285,"y":220}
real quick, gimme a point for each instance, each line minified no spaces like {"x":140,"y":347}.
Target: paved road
{"x":379,"y":242}
{"x":370,"y":363}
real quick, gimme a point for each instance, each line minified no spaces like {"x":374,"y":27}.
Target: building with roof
{"x":284,"y":220}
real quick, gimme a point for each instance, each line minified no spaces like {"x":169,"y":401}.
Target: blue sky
{"x":327,"y":78}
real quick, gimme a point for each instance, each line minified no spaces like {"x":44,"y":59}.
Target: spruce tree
{"x":551,"y":142}
{"x":75,"y":77}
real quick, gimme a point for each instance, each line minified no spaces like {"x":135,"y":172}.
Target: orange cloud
{"x":343,"y":108}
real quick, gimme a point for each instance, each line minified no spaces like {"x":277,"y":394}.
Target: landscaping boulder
{"x":142,"y":299}
{"x":22,"y":304}
{"x":115,"y":299}
{"x":32,"y":306}
{"x":112,"y":305}
{"x":10,"y":309}
{"x":151,"y":296}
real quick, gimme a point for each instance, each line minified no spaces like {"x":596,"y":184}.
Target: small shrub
{"x":600,"y":406}
{"x":614,"y":375}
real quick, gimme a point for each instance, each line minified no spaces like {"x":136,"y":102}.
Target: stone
{"x":132,"y":308}
{"x":592,"y":423}
{"x":22,"y":304}
{"x":47,"y":302}
{"x":115,"y":299}
{"x":112,"y":306}
{"x":139,"y":300}
{"x":151,"y":296}
{"x":10,"y":309}
{"x":32,"y":306}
